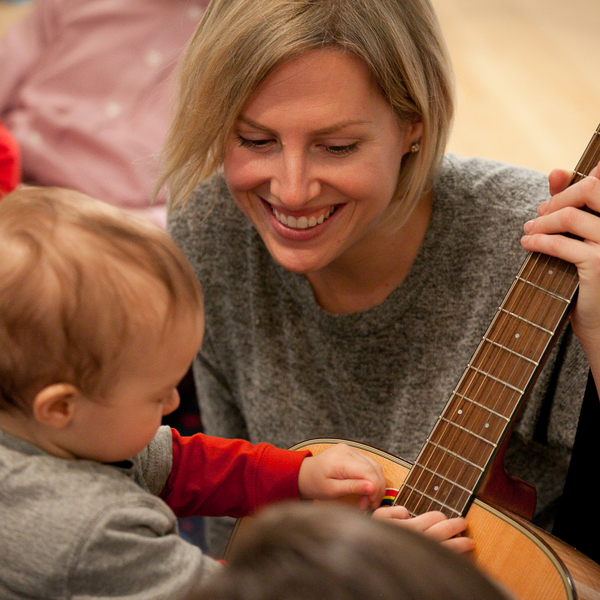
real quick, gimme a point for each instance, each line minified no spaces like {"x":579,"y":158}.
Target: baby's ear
{"x":55,"y":405}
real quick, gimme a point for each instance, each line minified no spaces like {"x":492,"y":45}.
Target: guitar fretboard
{"x":500,"y":375}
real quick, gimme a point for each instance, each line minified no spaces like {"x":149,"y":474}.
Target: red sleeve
{"x":10,"y":162}
{"x":219,"y":477}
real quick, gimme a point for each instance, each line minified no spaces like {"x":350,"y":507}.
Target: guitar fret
{"x":448,"y":466}
{"x":455,"y":455}
{"x":436,"y":500}
{"x":508,"y":385}
{"x":582,"y":175}
{"x":529,"y":360}
{"x":537,"y":287}
{"x":497,"y":414}
{"x":468,"y":431}
{"x":489,"y":391}
{"x":516,"y":316}
{"x":453,"y":483}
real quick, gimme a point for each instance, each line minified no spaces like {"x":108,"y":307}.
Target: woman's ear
{"x":415,"y":131}
{"x":55,"y":405}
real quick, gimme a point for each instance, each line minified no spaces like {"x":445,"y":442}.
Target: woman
{"x":347,"y":295}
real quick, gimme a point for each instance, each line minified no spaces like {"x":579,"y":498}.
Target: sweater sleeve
{"x":220,"y":477}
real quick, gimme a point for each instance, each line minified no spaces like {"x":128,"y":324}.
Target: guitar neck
{"x":490,"y":394}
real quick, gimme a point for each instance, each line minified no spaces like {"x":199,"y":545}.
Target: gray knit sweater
{"x":77,"y":529}
{"x":275,"y":367}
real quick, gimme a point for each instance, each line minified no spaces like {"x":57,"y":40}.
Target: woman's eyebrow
{"x":337,"y":126}
{"x":325,"y":131}
{"x":254,"y":124}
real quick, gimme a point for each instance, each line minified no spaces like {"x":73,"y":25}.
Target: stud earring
{"x":415,"y":147}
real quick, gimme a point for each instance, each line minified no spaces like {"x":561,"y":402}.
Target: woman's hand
{"x":563,"y":214}
{"x":433,"y":524}
{"x":342,"y":471}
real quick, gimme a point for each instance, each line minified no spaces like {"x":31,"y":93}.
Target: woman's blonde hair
{"x":239,"y":42}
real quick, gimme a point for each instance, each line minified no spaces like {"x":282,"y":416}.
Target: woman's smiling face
{"x":313,"y":160}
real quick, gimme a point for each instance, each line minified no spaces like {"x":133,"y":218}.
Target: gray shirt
{"x":75,"y":529}
{"x":275,"y":367}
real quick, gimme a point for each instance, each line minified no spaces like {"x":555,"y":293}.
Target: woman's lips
{"x":301,"y":226}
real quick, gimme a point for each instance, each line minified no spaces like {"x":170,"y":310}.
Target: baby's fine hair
{"x":79,"y":279}
{"x":301,"y":551}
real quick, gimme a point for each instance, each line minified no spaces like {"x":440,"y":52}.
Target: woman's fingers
{"x":433,"y":524}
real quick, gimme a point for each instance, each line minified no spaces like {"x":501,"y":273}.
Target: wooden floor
{"x":527,"y":76}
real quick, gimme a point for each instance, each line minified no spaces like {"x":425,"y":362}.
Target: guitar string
{"x":508,"y":367}
{"x":592,"y":151}
{"x":448,"y":435}
{"x":483,"y":354}
{"x":532,"y":263}
{"x":471,"y":407}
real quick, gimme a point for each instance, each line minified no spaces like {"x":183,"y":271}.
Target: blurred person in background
{"x":86,"y":92}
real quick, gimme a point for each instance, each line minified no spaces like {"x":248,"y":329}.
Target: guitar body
{"x":529,"y":562}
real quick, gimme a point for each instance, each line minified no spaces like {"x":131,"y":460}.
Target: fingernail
{"x":528,"y":226}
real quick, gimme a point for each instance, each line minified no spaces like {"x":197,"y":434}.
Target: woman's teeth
{"x":302,"y":222}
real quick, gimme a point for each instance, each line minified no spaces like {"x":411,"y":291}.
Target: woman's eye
{"x":253,"y":144}
{"x":342,"y":150}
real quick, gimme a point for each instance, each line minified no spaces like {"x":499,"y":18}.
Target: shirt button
{"x":112,"y":110}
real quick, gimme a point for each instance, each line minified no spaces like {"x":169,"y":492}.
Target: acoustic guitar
{"x":460,"y":469}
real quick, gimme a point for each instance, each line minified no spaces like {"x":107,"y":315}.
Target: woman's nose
{"x":293,"y":183}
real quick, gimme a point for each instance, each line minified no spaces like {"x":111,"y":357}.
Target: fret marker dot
{"x":550,"y":272}
{"x":487,"y":425}
{"x":517,"y":335}
{"x":436,"y":488}
{"x":460,"y":411}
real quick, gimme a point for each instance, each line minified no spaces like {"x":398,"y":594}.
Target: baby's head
{"x":86,"y":293}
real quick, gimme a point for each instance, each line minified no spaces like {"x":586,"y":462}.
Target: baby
{"x":100,"y":318}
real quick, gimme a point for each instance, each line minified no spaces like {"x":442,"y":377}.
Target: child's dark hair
{"x":78,"y":279}
{"x":301,"y":551}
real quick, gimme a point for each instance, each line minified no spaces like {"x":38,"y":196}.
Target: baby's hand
{"x":341,"y":471}
{"x":433,"y":524}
